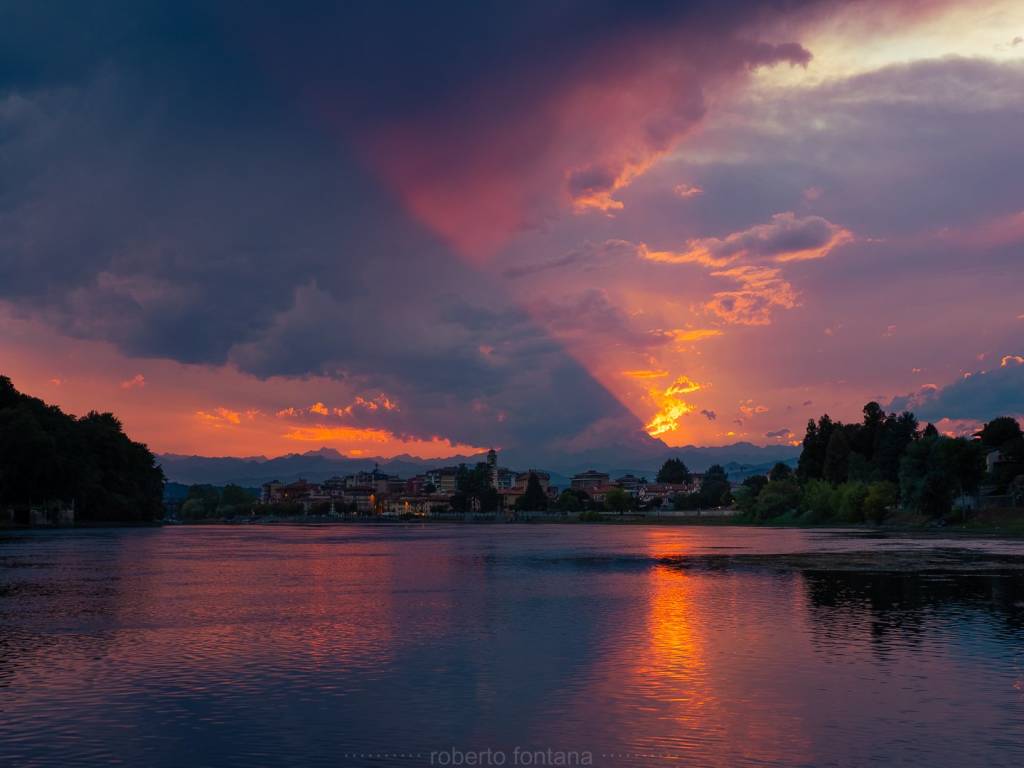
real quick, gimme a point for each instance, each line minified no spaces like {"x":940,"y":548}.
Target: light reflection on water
{"x":644,"y":645}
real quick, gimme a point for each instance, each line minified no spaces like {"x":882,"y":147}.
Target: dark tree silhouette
{"x":48,"y":457}
{"x":837,"y":457}
{"x":474,"y":490}
{"x":673,"y":471}
{"x":714,"y":488}
{"x":1000,"y":432}
{"x":533,"y":498}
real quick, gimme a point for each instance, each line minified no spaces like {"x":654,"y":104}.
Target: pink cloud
{"x":785,"y":238}
{"x":506,"y":157}
{"x":138,"y":380}
{"x":761,"y":291}
{"x":687,"y":190}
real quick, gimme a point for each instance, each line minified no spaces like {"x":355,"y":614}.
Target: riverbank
{"x":1003,"y":522}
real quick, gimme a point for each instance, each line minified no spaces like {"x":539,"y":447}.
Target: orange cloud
{"x":645,"y":374}
{"x":748,"y":408}
{"x":220,"y":417}
{"x":671,"y":407}
{"x":682,"y":386}
{"x":433,"y":447}
{"x":323,"y":434}
{"x":138,"y":380}
{"x":695,"y":254}
{"x":785,"y":238}
{"x":748,"y":257}
{"x":694,"y":334}
{"x":380,"y":402}
{"x":761,"y":290}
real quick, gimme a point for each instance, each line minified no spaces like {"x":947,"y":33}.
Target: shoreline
{"x":1015,"y":528}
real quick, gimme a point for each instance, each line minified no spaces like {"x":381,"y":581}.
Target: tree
{"x":755,"y":483}
{"x":820,"y":501}
{"x":746,"y":495}
{"x":687,"y":501}
{"x":812,"y":459}
{"x":860,"y":470}
{"x":851,"y":498}
{"x":778,"y":498}
{"x":881,"y":497}
{"x":897,"y":433}
{"x":780,"y":472}
{"x":867,"y":436}
{"x":206,"y":496}
{"x":617,"y":500}
{"x":964,"y":461}
{"x":473,"y":490}
{"x":533,"y":498}
{"x":837,"y":457}
{"x":569,"y":501}
{"x":714,"y":488}
{"x":193,"y":509}
{"x":935,"y":470}
{"x":998,"y":432}
{"x":236,"y":496}
{"x":674,"y":471}
{"x":745,"y":499}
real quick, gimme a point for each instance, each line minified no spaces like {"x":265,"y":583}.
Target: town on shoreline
{"x":484,"y":491}
{"x":60,"y":470}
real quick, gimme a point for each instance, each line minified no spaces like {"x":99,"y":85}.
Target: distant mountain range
{"x":739,"y":459}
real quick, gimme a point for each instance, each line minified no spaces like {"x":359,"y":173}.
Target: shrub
{"x":820,"y":501}
{"x":777,"y":498}
{"x":881,"y":496}
{"x":746,"y":500}
{"x":851,"y":502}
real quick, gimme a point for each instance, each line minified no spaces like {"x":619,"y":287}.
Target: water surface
{"x":383,"y":645}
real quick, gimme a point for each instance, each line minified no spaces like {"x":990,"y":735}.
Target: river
{"x":524,"y":644}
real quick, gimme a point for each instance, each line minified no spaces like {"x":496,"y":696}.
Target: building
{"x":523,"y":478}
{"x":270,"y":493}
{"x":444,"y":479}
{"x":505,"y":478}
{"x":414,"y":485}
{"x":598,"y":493}
{"x":584,"y":481}
{"x":508,"y":498}
{"x":630,"y":483}
{"x":420,"y":505}
{"x":492,"y":467}
{"x":300,"y":490}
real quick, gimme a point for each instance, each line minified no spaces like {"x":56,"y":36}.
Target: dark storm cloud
{"x":592,"y":315}
{"x":980,"y":396}
{"x":190,"y":181}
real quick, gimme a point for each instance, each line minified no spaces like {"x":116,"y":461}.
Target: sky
{"x":433,"y":228}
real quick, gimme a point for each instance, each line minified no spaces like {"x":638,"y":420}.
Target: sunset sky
{"x":431,"y":228}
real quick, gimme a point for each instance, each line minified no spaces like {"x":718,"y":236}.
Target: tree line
{"x":50,"y":459}
{"x":866,"y":471}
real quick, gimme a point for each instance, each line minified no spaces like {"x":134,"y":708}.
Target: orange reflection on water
{"x":690,"y":675}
